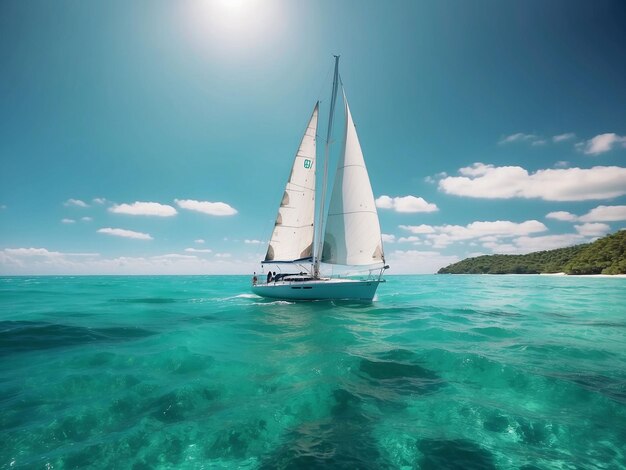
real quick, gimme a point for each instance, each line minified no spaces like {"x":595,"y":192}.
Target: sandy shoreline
{"x":583,"y":275}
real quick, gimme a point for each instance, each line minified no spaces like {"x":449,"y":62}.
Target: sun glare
{"x":229,"y":26}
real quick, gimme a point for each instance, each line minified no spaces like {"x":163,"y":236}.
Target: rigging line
{"x":317,"y":253}
{"x":351,"y":164}
{"x":353,"y":212}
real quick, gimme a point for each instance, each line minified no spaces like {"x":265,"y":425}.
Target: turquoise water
{"x":480,"y":372}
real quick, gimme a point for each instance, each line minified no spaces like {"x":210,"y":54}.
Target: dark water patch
{"x":24,"y":336}
{"x":237,"y":442}
{"x":340,"y":444}
{"x":495,"y":422}
{"x":534,"y":433}
{"x":613,"y":388}
{"x":461,"y":454}
{"x":346,"y":405}
{"x":343,"y":441}
{"x":398,"y":369}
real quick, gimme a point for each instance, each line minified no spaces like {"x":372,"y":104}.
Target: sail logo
{"x":308,"y":163}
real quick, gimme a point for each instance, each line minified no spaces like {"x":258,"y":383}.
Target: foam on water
{"x":480,"y":372}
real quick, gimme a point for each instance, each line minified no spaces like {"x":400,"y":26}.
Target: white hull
{"x":319,"y":289}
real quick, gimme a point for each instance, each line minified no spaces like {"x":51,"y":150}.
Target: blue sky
{"x":156,"y":137}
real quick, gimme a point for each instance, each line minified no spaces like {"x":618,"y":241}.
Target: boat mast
{"x":320,"y":219}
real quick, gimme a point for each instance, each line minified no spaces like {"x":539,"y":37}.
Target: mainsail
{"x":292,"y":238}
{"x":352,"y":236}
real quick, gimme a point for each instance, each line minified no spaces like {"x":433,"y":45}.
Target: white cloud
{"x":68,"y":221}
{"x":86,"y":219}
{"x":223,"y":255}
{"x":144,"y":208}
{"x":99,"y":200}
{"x":592,"y":229}
{"x":43,"y":252}
{"x":525,"y":244}
{"x":75,"y":203}
{"x":200,"y":241}
{"x":31,"y":252}
{"x":412,"y":239}
{"x":211,"y":208}
{"x":563,"y":137}
{"x":570,"y":184}
{"x":605,"y":214}
{"x":120,"y":232}
{"x":388,"y":238}
{"x":41,"y":261}
{"x":537,"y":143}
{"x":491,"y":231}
{"x":562,"y":215}
{"x":418,"y":229}
{"x":252,"y":242}
{"x":173,"y":256}
{"x":561,"y":164}
{"x":408,"y":204}
{"x":518,"y":137}
{"x":196,"y":250}
{"x":417,"y":262}
{"x":603,"y":143}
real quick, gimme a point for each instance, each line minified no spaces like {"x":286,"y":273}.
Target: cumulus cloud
{"x":144,"y":208}
{"x":563,"y":137}
{"x":68,"y":221}
{"x":408,"y":204}
{"x":211,"y":208}
{"x":120,"y":232}
{"x":388,"y":238}
{"x":198,"y":250}
{"x":418,"y":229}
{"x":75,"y":203}
{"x":526,"y":244}
{"x":605,"y":214}
{"x":603,"y":143}
{"x":592,"y":229}
{"x":440,"y":236}
{"x":562,"y":215}
{"x":252,"y":242}
{"x":412,"y":239}
{"x":99,"y":200}
{"x":86,"y":219}
{"x":567,"y":184}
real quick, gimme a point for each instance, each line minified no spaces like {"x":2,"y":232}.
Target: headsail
{"x":352,"y":236}
{"x":292,"y":238}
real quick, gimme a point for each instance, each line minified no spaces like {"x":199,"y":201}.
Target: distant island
{"x":606,"y":255}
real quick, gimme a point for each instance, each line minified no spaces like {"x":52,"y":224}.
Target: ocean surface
{"x":463,"y":372}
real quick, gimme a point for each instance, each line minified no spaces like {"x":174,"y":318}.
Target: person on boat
{"x":254,"y":279}
{"x":269,"y":277}
{"x":274,"y":276}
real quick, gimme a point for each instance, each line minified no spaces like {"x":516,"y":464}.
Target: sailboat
{"x":347,"y":238}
